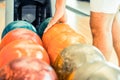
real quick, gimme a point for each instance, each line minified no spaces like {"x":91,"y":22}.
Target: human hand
{"x":59,"y":16}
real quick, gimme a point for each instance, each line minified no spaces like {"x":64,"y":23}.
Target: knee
{"x":100,"y":31}
{"x":101,"y":23}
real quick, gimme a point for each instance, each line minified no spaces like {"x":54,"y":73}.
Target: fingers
{"x":58,"y":18}
{"x":51,"y":23}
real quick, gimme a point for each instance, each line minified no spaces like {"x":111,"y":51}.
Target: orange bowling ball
{"x":58,"y":37}
{"x":22,"y":48}
{"x":54,"y":31}
{"x":20,"y":33}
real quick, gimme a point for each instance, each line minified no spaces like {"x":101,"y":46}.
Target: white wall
{"x":9,"y":12}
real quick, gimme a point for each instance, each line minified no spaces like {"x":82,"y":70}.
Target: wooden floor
{"x":78,"y":22}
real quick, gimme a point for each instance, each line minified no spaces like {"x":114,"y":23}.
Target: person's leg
{"x":101,"y":28}
{"x":116,"y":35}
{"x":101,"y":21}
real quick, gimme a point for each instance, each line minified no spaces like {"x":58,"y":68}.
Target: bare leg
{"x":101,"y":28}
{"x":116,"y":35}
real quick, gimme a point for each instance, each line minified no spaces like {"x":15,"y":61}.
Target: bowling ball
{"x":54,"y":31}
{"x":42,"y":26}
{"x":27,"y":69}
{"x":74,"y":56}
{"x":20,"y":33}
{"x":58,"y":37}
{"x":18,"y":24}
{"x":22,"y":48}
{"x":97,"y":70}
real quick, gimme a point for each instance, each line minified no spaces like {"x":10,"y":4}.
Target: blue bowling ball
{"x":18,"y":24}
{"x":42,"y":26}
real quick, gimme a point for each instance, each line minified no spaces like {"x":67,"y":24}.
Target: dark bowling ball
{"x":18,"y":24}
{"x":42,"y":26}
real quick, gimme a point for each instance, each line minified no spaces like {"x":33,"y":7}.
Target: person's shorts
{"x":105,"y":6}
